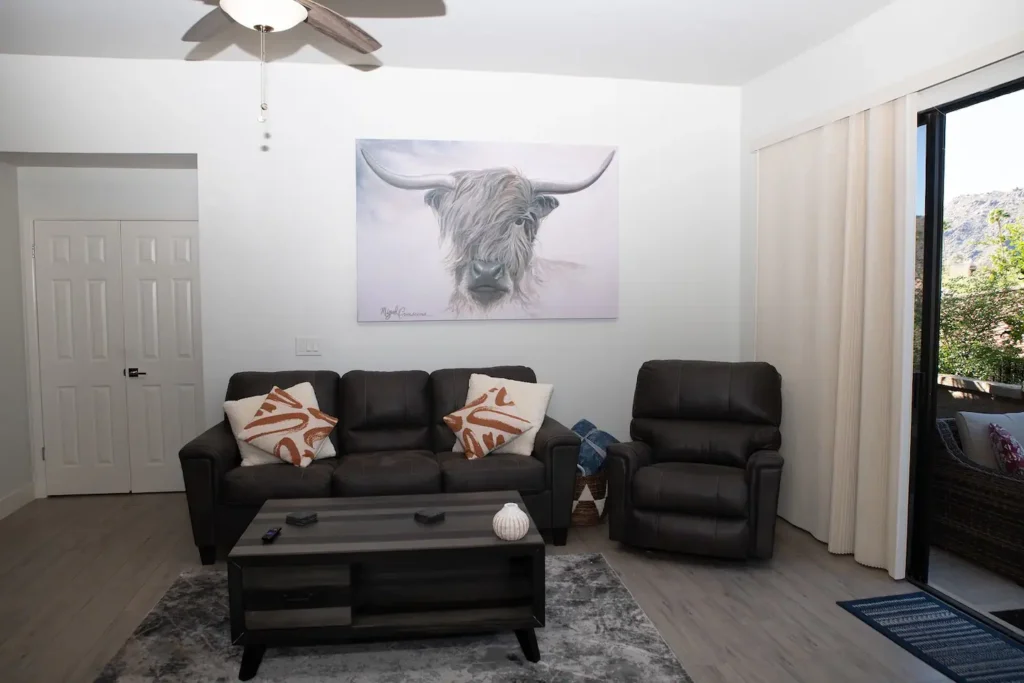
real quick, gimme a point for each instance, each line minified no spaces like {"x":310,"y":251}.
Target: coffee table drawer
{"x":295,"y":576}
{"x":298,"y":618}
{"x":296,"y":598}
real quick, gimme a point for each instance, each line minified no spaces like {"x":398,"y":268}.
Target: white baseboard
{"x":17,"y":498}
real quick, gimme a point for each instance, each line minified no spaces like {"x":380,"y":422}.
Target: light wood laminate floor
{"x":78,"y":574}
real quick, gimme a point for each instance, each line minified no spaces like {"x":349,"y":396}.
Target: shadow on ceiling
{"x":216,"y":32}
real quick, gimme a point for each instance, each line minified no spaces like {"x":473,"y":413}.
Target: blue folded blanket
{"x":594,"y":446}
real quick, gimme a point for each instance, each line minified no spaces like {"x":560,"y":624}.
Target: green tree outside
{"x":981,"y":328}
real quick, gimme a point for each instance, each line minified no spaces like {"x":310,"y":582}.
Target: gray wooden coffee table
{"x":368,"y":570}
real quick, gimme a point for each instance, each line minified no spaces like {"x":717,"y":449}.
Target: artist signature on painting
{"x":400,"y":312}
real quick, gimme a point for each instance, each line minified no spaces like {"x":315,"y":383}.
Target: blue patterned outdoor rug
{"x":945,"y":638}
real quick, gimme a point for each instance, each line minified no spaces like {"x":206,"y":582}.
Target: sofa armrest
{"x":204,"y":462}
{"x":764,"y":477}
{"x":217,"y":445}
{"x":558,"y":447}
{"x":622,"y":462}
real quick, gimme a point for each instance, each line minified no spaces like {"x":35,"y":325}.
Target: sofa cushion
{"x":325,"y":385}
{"x":384,"y":411}
{"x":448,"y":391}
{"x":387,"y":473}
{"x":496,"y":472}
{"x":711,"y":442}
{"x":259,"y":483}
{"x":690,"y":488}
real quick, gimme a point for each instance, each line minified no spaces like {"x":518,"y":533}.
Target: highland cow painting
{"x":480,"y":230}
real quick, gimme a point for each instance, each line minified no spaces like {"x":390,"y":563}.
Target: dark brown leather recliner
{"x":703,"y":470}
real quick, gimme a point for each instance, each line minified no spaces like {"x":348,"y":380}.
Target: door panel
{"x":162,"y":340}
{"x":81,"y":353}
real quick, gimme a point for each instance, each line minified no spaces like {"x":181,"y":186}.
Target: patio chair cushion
{"x":974,"y":434}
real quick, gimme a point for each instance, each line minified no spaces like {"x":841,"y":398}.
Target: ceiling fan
{"x":274,"y":16}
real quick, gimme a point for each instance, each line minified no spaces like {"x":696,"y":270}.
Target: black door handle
{"x":134,"y":372}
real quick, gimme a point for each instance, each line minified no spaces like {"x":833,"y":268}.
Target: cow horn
{"x":545,"y":187}
{"x":409,"y":182}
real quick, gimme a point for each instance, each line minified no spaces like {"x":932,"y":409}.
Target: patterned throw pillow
{"x":1008,"y":451}
{"x":288,"y":428}
{"x":241,"y":412}
{"x":487,"y":422}
{"x":531,"y":401}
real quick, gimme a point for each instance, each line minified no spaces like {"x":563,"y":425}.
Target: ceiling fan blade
{"x":207,"y":27}
{"x":387,"y":9}
{"x":332,"y":24}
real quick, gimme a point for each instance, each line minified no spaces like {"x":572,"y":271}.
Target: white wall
{"x":162,"y":194}
{"x":15,"y":459}
{"x":287,"y":214}
{"x":904,"y":47}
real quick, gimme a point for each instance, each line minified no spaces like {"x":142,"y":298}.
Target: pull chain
{"x":263,"y":76}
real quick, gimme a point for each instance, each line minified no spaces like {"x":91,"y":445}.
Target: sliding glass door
{"x":967,"y":493}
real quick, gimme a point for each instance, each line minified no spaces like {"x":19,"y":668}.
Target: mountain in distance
{"x":967,"y":216}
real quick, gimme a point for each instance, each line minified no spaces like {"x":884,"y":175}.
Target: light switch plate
{"x":307,"y":346}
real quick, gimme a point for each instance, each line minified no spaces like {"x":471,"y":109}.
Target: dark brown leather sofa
{"x":391,"y":440}
{"x":703,"y":470}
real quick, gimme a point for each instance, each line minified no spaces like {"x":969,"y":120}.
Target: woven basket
{"x":588,"y":508}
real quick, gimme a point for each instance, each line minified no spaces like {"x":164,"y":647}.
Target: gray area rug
{"x":595,"y":632}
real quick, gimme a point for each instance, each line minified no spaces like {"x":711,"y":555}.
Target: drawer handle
{"x":295,"y":598}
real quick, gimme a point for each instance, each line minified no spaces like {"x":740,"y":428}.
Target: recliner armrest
{"x":632,"y":454}
{"x":204,"y":461}
{"x":762,"y":460}
{"x":623,"y":461}
{"x":764,"y":478}
{"x":558,"y":447}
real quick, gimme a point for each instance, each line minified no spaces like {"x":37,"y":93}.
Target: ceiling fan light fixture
{"x":265,"y":15}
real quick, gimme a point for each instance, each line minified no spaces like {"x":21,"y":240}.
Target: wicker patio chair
{"x":977,"y":513}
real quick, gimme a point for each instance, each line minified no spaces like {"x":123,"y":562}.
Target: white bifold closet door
{"x":81,"y":356}
{"x":120,"y":352}
{"x":160,"y":272}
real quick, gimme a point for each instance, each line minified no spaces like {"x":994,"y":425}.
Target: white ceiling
{"x":694,"y":41}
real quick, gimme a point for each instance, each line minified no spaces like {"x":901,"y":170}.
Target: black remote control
{"x":272,"y":535}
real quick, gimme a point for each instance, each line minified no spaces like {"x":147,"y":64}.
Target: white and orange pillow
{"x":531,"y":401}
{"x":288,"y":428}
{"x":241,"y":412}
{"x":488,"y":422}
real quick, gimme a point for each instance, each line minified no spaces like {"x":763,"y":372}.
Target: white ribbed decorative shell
{"x":511,"y":523}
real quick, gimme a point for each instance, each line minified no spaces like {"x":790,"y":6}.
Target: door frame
{"x":32,"y":363}
{"x":27,"y":237}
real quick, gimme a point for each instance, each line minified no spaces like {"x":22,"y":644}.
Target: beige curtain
{"x":835,"y":253}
